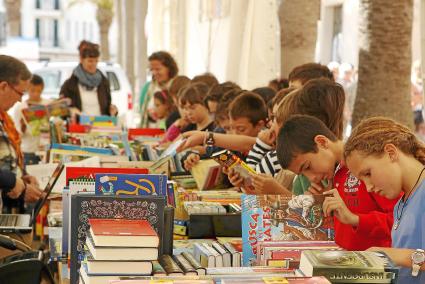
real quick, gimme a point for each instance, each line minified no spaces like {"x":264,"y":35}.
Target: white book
{"x":203,"y":255}
{"x":227,"y":259}
{"x":236,"y":256}
{"x":216,"y":254}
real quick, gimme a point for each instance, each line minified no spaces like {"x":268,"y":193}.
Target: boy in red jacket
{"x":362,"y":219}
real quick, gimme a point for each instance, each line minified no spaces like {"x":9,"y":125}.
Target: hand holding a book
{"x":193,"y":138}
{"x":334,"y":204}
{"x":234,"y":177}
{"x":191,"y":161}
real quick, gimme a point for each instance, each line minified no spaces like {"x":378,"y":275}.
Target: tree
{"x":104,"y":17}
{"x":13,"y":8}
{"x":298,"y":32}
{"x":385,"y":36}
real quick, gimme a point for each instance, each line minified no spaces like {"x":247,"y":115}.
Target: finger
{"x":330,"y":192}
{"x":312,"y":190}
{"x":317,"y":187}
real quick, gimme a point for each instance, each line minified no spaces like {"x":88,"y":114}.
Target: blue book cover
{"x":98,"y":120}
{"x":130,"y":184}
{"x":71,"y":147}
{"x":282,"y":218}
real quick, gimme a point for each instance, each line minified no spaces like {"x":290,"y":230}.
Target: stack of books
{"x":118,"y":247}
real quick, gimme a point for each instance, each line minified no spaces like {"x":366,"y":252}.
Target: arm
{"x":257,"y":153}
{"x":269,"y":164}
{"x":233,"y":142}
{"x":400,"y":257}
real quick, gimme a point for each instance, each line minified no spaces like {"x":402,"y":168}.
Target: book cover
{"x":130,"y":184}
{"x":348,"y":266}
{"x":74,"y":172}
{"x":84,"y":207}
{"x":98,"y":120}
{"x":278,"y":217}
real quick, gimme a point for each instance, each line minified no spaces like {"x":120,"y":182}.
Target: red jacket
{"x":375,"y":212}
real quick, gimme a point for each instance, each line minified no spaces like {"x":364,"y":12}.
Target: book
{"x":194,"y":263}
{"x":130,"y":184}
{"x":74,"y":172}
{"x":236,"y":255}
{"x":97,"y":120}
{"x":118,"y":267}
{"x":229,"y":160}
{"x":84,"y":207}
{"x":157,"y":269}
{"x":278,"y":217}
{"x":122,"y":232}
{"x":207,"y":174}
{"x":203,"y":255}
{"x":227,"y":260}
{"x":120,"y":252}
{"x":278,"y":279}
{"x":348,"y":266}
{"x":170,"y":266}
{"x":185,"y":265}
{"x":167,"y":240}
{"x":93,"y":279}
{"x":247,"y":270}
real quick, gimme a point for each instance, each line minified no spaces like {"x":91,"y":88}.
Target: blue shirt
{"x":411,"y":231}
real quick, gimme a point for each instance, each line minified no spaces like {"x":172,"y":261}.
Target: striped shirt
{"x":263,"y":158}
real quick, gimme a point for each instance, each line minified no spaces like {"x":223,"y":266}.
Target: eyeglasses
{"x":16,"y":91}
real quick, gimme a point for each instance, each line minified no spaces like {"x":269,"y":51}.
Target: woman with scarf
{"x":87,"y":87}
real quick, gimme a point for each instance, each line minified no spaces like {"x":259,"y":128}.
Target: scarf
{"x":14,"y":137}
{"x":89,"y":81}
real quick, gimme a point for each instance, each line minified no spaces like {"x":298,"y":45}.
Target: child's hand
{"x":267,"y":136}
{"x":334,"y":203}
{"x":266,"y":184}
{"x":235,"y":178}
{"x":191,"y":161}
{"x":193,"y":138}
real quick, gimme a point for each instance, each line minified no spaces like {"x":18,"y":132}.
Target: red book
{"x":123,"y":232}
{"x":88,"y":172}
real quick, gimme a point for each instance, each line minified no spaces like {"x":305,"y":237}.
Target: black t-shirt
{"x":172,"y":118}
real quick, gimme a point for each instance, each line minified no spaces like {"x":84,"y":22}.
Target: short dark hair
{"x":88,"y":49}
{"x":225,"y":101}
{"x":279,"y":84}
{"x":36,"y":80}
{"x":178,"y":83}
{"x":167,"y":60}
{"x":165,"y":98}
{"x":309,"y":71}
{"x":266,"y":93}
{"x":194,"y":93}
{"x":13,"y":70}
{"x":297,"y":137}
{"x":208,"y":78}
{"x":249,"y":105}
{"x":216,"y":92}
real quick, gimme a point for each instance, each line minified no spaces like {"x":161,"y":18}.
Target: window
{"x":37,"y":29}
{"x":113,"y":81}
{"x":55,"y":33}
{"x":57,"y":4}
{"x":37,"y":4}
{"x":2,"y":29}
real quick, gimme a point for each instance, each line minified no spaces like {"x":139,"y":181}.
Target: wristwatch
{"x":418,"y":258}
{"x":210,"y":139}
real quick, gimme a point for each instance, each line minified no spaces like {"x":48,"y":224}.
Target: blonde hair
{"x":372,"y":134}
{"x":287,"y":107}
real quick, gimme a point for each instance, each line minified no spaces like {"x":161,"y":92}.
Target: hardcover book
{"x":130,"y":184}
{"x":84,"y":207}
{"x":207,"y":174}
{"x":278,"y":217}
{"x":185,"y":265}
{"x":122,"y":232}
{"x":170,"y":266}
{"x":348,"y":266}
{"x":74,"y":172}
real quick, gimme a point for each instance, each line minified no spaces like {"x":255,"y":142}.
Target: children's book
{"x":207,"y":174}
{"x":130,"y":184}
{"x":98,"y":120}
{"x":279,"y":217}
{"x":74,"y":172}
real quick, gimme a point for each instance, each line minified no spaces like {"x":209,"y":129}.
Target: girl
{"x":163,"y":106}
{"x":390,"y":160}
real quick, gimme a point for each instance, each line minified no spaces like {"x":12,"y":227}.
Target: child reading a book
{"x":390,"y":160}
{"x":30,"y":138}
{"x":362,"y":220}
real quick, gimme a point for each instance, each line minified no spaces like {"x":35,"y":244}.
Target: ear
{"x":321,"y":141}
{"x":392,"y":152}
{"x":3,"y":85}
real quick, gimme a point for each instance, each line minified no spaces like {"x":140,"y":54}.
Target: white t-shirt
{"x":89,"y":101}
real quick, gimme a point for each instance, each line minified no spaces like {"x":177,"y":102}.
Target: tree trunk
{"x":385,"y":56}
{"x":298,"y":32}
{"x":104,"y":19}
{"x":13,"y":10}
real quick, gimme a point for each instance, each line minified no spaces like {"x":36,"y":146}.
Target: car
{"x":54,"y":75}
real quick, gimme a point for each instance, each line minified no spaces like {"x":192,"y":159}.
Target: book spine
{"x":184,"y":264}
{"x":189,"y":257}
{"x":169,"y":265}
{"x":157,"y":269}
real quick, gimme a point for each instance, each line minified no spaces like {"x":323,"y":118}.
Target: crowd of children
{"x":291,"y":134}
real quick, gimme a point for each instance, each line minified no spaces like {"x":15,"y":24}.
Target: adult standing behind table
{"x":87,"y":87}
{"x":14,"y":183}
{"x":164,"y":69}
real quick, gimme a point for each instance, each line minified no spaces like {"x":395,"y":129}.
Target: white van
{"x":54,"y":75}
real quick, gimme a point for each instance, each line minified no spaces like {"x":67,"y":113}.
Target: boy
{"x":30,"y":144}
{"x":303,"y":73}
{"x":362,"y":220}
